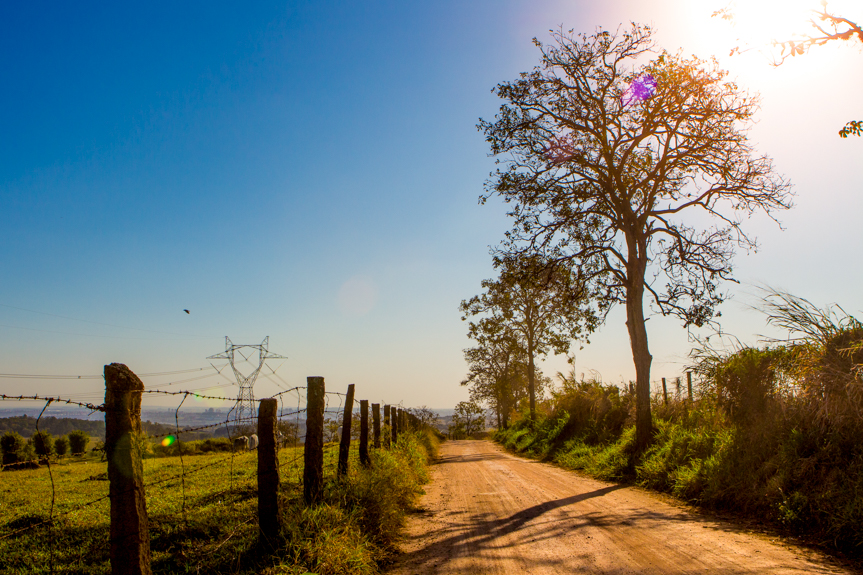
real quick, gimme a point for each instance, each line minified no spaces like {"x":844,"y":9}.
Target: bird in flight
{"x":185,"y":310}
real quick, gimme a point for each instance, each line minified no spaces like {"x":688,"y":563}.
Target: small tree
{"x":78,"y":441}
{"x":43,"y":443}
{"x":331,"y":429}
{"x":290,"y":433}
{"x":12,"y":444}
{"x":469,"y":417}
{"x":536,"y":304}
{"x":498,"y":373}
{"x":61,"y":446}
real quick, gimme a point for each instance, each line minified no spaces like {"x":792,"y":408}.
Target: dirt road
{"x":486,"y":511}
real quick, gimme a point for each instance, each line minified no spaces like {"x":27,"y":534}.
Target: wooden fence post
{"x":268,"y":472}
{"x":394,"y":423}
{"x":388,"y":421}
{"x":129,"y":535}
{"x":364,"y":432}
{"x":689,"y":383}
{"x":664,"y":391}
{"x":376,"y":424}
{"x":313,"y":450}
{"x":345,"y":444}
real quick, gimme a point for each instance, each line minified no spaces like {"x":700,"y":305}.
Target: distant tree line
{"x":26,"y":426}
{"x":18,"y":452}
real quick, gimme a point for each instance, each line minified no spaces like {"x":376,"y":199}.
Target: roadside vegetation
{"x":205,"y":522}
{"x":774,"y":431}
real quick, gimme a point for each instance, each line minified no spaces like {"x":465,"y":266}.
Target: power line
{"x":156,"y":374}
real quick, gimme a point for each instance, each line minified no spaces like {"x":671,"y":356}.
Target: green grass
{"x":207,"y":521}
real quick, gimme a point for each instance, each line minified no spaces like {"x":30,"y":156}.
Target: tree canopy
{"x":632,"y":166}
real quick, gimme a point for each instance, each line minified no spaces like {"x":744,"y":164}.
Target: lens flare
{"x":169,"y":440}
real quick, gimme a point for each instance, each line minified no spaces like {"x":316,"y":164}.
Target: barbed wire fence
{"x":286,"y":433}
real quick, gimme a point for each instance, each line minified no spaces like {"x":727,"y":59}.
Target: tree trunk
{"x":531,"y":384}
{"x":640,"y":352}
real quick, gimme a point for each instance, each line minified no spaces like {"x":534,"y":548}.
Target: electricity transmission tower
{"x":244,"y":409}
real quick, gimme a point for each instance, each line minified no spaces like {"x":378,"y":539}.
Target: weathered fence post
{"x":376,"y":424}
{"x":345,"y":444}
{"x":394,"y":422}
{"x":364,"y":432}
{"x":313,"y":451}
{"x":689,"y":383}
{"x":664,"y":391}
{"x":268,"y":472}
{"x":130,"y":538}
{"x":388,"y":421}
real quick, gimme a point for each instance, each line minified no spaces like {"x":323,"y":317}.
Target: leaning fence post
{"x":345,"y":444}
{"x":130,"y":538}
{"x":313,"y":450}
{"x":268,"y":472}
{"x":364,"y":432}
{"x":376,"y":424}
{"x":689,"y":383}
{"x":664,"y":391}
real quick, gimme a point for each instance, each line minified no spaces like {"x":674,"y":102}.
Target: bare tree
{"x":636,"y":171}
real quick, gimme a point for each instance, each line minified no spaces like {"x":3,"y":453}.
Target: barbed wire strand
{"x":37,"y":397}
{"x":100,"y":376}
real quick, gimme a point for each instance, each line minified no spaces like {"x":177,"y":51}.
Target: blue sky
{"x":310,"y":171}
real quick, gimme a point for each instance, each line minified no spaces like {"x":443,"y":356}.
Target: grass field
{"x":202,"y":514}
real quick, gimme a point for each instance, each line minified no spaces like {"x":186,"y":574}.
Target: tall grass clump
{"x":775,"y":432}
{"x":355,"y":528}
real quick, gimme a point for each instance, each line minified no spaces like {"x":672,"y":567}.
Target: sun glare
{"x":758,"y":24}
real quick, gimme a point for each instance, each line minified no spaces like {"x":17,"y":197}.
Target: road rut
{"x":486,"y":511}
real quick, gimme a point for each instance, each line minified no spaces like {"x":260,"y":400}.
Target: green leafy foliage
{"x":43,"y":443}
{"x":78,"y":441}
{"x":11,"y":443}
{"x":61,"y":446}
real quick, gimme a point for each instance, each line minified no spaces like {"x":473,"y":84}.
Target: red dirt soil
{"x":486,"y":511}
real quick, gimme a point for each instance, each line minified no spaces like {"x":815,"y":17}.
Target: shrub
{"x":43,"y":443}
{"x":12,"y":444}
{"x":78,"y":441}
{"x":61,"y":445}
